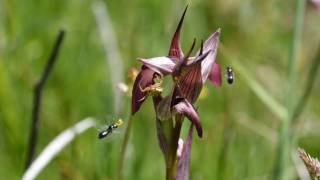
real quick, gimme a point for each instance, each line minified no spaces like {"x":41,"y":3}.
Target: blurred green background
{"x":240,"y":127}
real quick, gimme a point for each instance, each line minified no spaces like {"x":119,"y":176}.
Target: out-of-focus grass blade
{"x":277,"y":108}
{"x":113,"y":56}
{"x":56,"y":146}
{"x":257,"y":127}
{"x":7,"y":114}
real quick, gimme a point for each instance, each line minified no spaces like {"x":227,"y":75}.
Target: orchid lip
{"x":185,"y":107}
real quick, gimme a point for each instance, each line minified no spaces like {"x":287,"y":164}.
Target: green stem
{"x":173,"y":138}
{"x":309,"y":86}
{"x":226,"y":138}
{"x":124,"y":147}
{"x":284,"y":143}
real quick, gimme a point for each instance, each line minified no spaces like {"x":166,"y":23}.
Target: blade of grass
{"x":124,"y":148}
{"x":305,"y":96}
{"x":56,"y":146}
{"x":110,"y":43}
{"x":284,"y":139}
{"x":308,"y":89}
{"x":115,"y":63}
{"x":258,"y":128}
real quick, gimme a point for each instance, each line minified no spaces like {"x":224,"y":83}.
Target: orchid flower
{"x":189,"y":73}
{"x":316,"y":3}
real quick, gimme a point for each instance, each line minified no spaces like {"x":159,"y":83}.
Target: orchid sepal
{"x":162,"y":65}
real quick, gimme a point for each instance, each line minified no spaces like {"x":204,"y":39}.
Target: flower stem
{"x":284,"y":142}
{"x":171,"y":164}
{"x":309,"y":86}
{"x":124,"y":147}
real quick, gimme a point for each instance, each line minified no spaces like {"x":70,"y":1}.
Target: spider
{"x":153,"y":89}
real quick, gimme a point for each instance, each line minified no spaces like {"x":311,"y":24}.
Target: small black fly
{"x":230,"y":75}
{"x":108,"y":130}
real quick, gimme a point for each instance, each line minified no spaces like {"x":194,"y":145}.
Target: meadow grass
{"x":241,"y":121}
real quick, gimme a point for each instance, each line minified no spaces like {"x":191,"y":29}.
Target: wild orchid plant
{"x":188,"y":75}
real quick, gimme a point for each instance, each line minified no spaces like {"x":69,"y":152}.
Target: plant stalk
{"x":285,"y":140}
{"x":308,"y":89}
{"x":124,"y":148}
{"x":171,"y":162}
{"x":38,"y":89}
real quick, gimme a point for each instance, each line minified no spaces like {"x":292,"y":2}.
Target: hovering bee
{"x":108,"y":130}
{"x":230,"y":75}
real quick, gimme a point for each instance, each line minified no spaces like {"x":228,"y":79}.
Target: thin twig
{"x":309,"y":86}
{"x":55,"y":146}
{"x":37,"y":98}
{"x":124,"y":148}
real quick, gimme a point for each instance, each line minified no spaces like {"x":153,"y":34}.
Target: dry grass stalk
{"x":312,"y":164}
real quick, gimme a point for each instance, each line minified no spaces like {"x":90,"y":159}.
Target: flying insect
{"x":230,"y":75}
{"x":108,"y":130}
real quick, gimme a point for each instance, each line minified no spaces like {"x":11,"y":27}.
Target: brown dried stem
{"x":33,"y":138}
{"x":312,"y":164}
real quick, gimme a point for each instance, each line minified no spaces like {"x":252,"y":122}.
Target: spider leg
{"x":142,"y":99}
{"x":142,"y":90}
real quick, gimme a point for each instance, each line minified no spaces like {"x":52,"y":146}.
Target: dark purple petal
{"x":161,"y":65}
{"x":183,"y":170}
{"x":191,"y":63}
{"x":175,"y":48}
{"x":211,"y":45}
{"x":215,"y":75}
{"x":144,"y":79}
{"x":193,"y":60}
{"x":181,"y":63}
{"x":201,"y":48}
{"x":190,"y":84}
{"x":201,"y":57}
{"x":185,"y":108}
